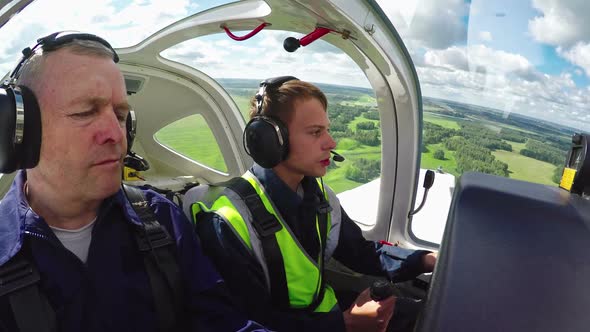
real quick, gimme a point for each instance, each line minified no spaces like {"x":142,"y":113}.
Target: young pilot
{"x":271,"y":231}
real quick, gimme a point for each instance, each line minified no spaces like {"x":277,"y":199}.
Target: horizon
{"x":369,"y":90}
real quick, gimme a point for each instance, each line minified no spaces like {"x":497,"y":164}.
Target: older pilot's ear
{"x":20,"y":128}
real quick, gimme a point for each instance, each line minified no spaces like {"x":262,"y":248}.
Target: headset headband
{"x":54,"y":41}
{"x":270,"y":83}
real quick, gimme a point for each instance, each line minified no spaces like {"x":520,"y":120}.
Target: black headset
{"x":266,"y":138}
{"x":20,"y":117}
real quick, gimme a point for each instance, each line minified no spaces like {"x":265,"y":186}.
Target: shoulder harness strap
{"x":157,"y":247}
{"x":322,"y":215}
{"x":19,"y":281}
{"x":266,"y":225}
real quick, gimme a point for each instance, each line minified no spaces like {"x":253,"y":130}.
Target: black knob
{"x":381,"y":289}
{"x":291,"y":44}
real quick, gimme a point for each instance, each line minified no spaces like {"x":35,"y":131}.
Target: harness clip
{"x":17,"y":274}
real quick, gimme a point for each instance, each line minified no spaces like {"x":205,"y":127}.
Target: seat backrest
{"x":515,"y":256}
{"x":195,"y":194}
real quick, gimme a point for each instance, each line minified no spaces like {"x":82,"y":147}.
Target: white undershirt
{"x":300,"y":191}
{"x":76,"y":240}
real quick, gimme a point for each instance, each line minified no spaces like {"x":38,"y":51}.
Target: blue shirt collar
{"x":284,"y":198}
{"x":17,"y":216}
{"x":280,"y":193}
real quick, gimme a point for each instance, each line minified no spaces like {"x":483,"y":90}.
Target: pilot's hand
{"x":368,"y":315}
{"x":429,"y":260}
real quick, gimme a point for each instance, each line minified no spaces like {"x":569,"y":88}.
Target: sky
{"x":529,"y":56}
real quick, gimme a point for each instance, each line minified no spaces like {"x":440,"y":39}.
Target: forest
{"x":464,"y":137}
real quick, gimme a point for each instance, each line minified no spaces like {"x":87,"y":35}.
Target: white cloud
{"x":485,"y":36}
{"x":435,"y":23}
{"x":505,"y":81}
{"x":263,"y":56}
{"x":451,"y":58}
{"x":551,"y":100}
{"x":480,"y":58}
{"x":406,"y":10}
{"x":433,"y":30}
{"x":562,"y":22}
{"x":579,"y":55}
{"x":197,"y":53}
{"x":121,"y":27}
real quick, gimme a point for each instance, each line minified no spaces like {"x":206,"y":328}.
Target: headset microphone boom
{"x":337,"y":156}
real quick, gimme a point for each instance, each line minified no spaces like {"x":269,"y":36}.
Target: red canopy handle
{"x":247,"y":36}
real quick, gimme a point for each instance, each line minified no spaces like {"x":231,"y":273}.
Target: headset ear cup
{"x":262,"y":143}
{"x":30,"y":149}
{"x":131,"y":131}
{"x":7,"y":130}
{"x":22,"y":155}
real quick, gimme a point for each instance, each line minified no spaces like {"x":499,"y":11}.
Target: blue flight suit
{"x":245,"y":276}
{"x":111,"y":291}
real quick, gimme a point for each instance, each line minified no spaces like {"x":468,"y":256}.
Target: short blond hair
{"x":33,"y":68}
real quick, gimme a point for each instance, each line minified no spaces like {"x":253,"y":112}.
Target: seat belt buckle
{"x":153,"y":236}
{"x":264,"y":222}
{"x":324,"y":207}
{"x":267,"y":225}
{"x":17,"y":274}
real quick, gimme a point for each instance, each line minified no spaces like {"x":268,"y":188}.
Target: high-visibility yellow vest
{"x":302,"y":272}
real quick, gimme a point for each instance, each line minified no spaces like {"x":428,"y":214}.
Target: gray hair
{"x":33,"y":68}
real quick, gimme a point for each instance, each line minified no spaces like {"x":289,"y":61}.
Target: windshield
{"x":512,"y":76}
{"x":505,"y":84}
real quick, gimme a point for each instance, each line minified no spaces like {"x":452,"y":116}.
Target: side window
{"x":501,"y":95}
{"x":192,"y":138}
{"x":355,"y":126}
{"x":241,"y":91}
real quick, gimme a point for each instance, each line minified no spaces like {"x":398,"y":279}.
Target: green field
{"x":347,"y":144}
{"x":519,"y":166}
{"x":516,"y":147}
{"x":243,"y":104}
{"x":503,"y":125}
{"x":364,"y":100}
{"x":448,"y":164}
{"x":441,"y":121}
{"x":352,"y":124}
{"x":427,"y":160}
{"x":337,"y":181}
{"x":363,"y":151}
{"x":525,"y":168}
{"x":350,"y":148}
{"x":192,"y":137}
{"x":431,"y":108}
